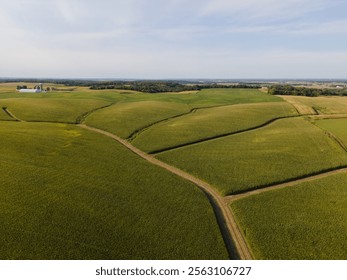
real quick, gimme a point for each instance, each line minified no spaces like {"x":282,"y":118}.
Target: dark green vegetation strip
{"x":308,"y":221}
{"x":66,"y":193}
{"x":283,"y":150}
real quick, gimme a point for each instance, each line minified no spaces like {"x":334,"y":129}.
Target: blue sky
{"x":166,"y":39}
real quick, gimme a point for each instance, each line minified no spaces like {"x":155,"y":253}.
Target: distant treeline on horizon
{"x":305,"y":91}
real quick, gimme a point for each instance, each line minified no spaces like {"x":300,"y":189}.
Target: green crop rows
{"x":67,"y":193}
{"x":285,"y":149}
{"x":336,"y":126}
{"x":210,"y":122}
{"x":308,"y":221}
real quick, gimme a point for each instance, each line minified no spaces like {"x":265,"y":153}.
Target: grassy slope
{"x":336,"y":126}
{"x":207,"y":123}
{"x":308,"y":221}
{"x":283,"y":150}
{"x":83,"y":196}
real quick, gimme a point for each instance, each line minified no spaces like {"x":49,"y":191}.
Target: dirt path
{"x":301,"y":108}
{"x":230,"y":230}
{"x":11,"y":115}
{"x":230,"y":198}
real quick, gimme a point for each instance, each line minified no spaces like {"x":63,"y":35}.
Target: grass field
{"x":67,"y":193}
{"x":283,"y":150}
{"x":337,"y":127}
{"x":207,"y":123}
{"x":307,"y":221}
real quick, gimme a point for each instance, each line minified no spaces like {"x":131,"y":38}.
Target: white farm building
{"x":38,"y":89}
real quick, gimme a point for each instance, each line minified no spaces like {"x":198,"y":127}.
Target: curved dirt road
{"x":223,"y":212}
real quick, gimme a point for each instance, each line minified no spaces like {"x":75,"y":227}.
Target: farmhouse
{"x":38,"y":88}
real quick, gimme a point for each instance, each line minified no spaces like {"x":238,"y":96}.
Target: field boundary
{"x":230,"y":230}
{"x":314,"y":176}
{"x":81,"y":118}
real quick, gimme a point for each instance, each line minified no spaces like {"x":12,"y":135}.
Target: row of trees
{"x":159,"y":86}
{"x":304,"y":91}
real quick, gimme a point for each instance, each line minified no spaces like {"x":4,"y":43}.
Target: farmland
{"x":253,"y":159}
{"x":210,"y":123}
{"x":56,"y":203}
{"x":52,"y":110}
{"x":138,"y":111}
{"x":155,"y":176}
{"x":307,"y":221}
{"x":322,"y":104}
{"x":337,"y":127}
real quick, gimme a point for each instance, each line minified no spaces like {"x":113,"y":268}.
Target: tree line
{"x":159,"y":86}
{"x":304,"y":91}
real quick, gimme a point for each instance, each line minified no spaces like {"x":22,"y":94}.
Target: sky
{"x":174,"y":39}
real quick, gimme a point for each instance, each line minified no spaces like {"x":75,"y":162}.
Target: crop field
{"x":54,"y":110}
{"x":209,"y":123}
{"x":323,"y":104}
{"x":124,"y":119}
{"x":306,"y":221}
{"x":57,"y":203}
{"x":283,"y":150}
{"x":338,"y":127}
{"x":92,"y":191}
{"x":4,"y":116}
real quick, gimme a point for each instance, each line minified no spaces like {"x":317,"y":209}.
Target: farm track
{"x":302,"y":109}
{"x":232,"y":235}
{"x":230,"y":198}
{"x":11,"y":115}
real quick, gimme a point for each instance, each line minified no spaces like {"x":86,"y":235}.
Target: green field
{"x":283,"y":150}
{"x":125,"y":118}
{"x":337,"y":127}
{"x":208,"y":123}
{"x":67,"y":193}
{"x":307,"y":221}
{"x":4,"y":116}
{"x":49,"y":109}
